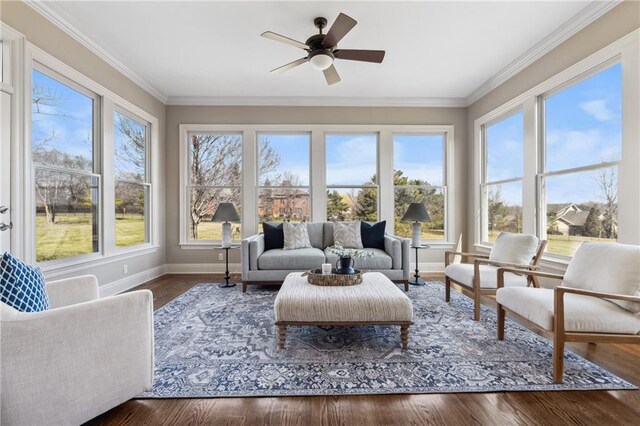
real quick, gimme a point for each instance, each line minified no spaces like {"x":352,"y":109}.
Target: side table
{"x":227,"y":276}
{"x":416,"y":277}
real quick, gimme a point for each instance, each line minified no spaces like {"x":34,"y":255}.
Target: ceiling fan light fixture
{"x":321,"y":60}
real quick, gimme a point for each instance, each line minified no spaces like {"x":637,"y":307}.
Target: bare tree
{"x":134,"y":149}
{"x":608,"y":183}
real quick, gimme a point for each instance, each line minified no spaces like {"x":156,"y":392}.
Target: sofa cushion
{"x":379,"y":260}
{"x":581,"y":313}
{"x":328,"y":234}
{"x":22,"y":286}
{"x":514,"y":248}
{"x":273,"y":236}
{"x":463,"y":273}
{"x":606,"y":267}
{"x":347,"y":234}
{"x":373,"y":234}
{"x":316,"y":237}
{"x":296,"y":236}
{"x":299,"y":259}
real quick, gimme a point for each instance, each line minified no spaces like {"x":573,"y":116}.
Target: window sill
{"x":54,"y":269}
{"x":438,"y":245}
{"x":210,"y":245}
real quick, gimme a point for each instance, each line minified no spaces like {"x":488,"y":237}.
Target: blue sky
{"x":71,"y":118}
{"x":420,"y":157}
{"x":120,"y":141}
{"x":351,"y":159}
{"x":293,"y":151}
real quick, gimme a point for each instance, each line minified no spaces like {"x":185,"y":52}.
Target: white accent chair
{"x":77,"y":360}
{"x":479,"y":278}
{"x":597,"y":301}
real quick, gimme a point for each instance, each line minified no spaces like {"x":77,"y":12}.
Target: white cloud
{"x":597,"y":109}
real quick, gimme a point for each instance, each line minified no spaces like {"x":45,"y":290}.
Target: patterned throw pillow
{"x":347,"y":234}
{"x":22,"y":286}
{"x":296,"y":236}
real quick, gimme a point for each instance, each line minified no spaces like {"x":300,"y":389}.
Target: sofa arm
{"x":71,"y":291}
{"x":68,"y":365}
{"x":252,"y":248}
{"x":393,"y":248}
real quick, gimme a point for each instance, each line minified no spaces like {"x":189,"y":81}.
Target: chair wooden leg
{"x":447,"y":289}
{"x":558,"y":357}
{"x":500,"y":321}
{"x":476,"y":306}
{"x":404,"y":336}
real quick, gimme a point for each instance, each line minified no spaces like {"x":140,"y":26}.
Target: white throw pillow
{"x":606,"y":267}
{"x":347,"y":234}
{"x":514,"y":248}
{"x":296,"y":236}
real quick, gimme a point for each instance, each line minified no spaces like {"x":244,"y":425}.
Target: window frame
{"x":444,"y":187}
{"x":260,"y":187}
{"x":147,"y":183}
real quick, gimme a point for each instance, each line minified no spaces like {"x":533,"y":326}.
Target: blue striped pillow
{"x":22,"y":286}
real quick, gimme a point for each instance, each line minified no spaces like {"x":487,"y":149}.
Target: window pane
{"x":505,"y":147}
{"x":62,"y":125}
{"x":433,"y":198}
{"x":66,"y":215}
{"x":279,"y":204}
{"x":584,"y":122}
{"x":131,"y":226}
{"x":504,"y":209}
{"x":418,"y":159}
{"x":283,"y":159}
{"x":581,"y":207}
{"x":351,"y":159}
{"x":203,"y":204}
{"x":215,"y":159}
{"x":352,"y":204}
{"x":130,"y":146}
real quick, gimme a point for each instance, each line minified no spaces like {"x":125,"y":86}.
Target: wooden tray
{"x":315,"y":277}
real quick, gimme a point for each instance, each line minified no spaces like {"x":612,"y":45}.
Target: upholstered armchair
{"x":479,"y":278}
{"x":77,"y":360}
{"x":597,"y":301}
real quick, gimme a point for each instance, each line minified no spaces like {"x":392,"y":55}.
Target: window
{"x":132,"y":187}
{"x":283,"y":177}
{"x":503,"y":163}
{"x":67,"y":173}
{"x":351,"y":176}
{"x":419,"y":176}
{"x":214,"y":177}
{"x":582,"y":150}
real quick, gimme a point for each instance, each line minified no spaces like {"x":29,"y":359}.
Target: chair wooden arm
{"x":447,"y":254}
{"x":502,"y":271}
{"x":505,"y":264}
{"x":560,"y":290}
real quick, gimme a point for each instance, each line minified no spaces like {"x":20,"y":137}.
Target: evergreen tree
{"x":336,"y":207}
{"x":592,"y":226}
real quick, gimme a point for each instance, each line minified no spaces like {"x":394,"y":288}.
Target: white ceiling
{"x":214,"y":49}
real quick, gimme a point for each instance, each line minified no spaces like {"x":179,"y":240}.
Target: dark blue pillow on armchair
{"x":373,"y":235}
{"x":273,"y":236}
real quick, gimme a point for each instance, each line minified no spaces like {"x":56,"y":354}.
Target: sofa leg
{"x":244,"y":287}
{"x":447,"y":289}
{"x":500,"y":321}
{"x":406,"y":286}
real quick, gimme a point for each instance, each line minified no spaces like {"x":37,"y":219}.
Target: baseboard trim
{"x":131,"y":281}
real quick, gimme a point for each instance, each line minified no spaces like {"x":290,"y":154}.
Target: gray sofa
{"x":260,"y":267}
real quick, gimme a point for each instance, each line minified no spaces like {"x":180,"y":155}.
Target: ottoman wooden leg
{"x":282,"y":335}
{"x":404,"y":336}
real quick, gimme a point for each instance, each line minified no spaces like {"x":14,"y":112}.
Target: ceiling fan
{"x":322,"y":48}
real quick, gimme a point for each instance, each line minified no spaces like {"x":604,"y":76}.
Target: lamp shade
{"x":225,"y":212}
{"x":416,"y":212}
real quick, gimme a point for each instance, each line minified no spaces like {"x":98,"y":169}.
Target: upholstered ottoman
{"x":377,"y":301}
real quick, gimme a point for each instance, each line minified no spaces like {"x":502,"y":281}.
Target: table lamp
{"x":417,"y":212}
{"x":226,"y":213}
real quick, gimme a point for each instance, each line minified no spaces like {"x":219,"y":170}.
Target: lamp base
{"x":226,"y":234}
{"x":416,"y":234}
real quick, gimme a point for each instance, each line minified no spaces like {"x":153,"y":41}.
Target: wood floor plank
{"x":501,"y":408}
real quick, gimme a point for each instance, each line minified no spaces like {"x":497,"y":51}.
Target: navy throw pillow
{"x":22,"y":286}
{"x":273,"y":236}
{"x":373,"y":235}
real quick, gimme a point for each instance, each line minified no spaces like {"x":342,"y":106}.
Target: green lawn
{"x":71,"y":235}
{"x":562,"y":244}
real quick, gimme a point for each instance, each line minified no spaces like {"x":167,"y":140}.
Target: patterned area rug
{"x":213,"y":342}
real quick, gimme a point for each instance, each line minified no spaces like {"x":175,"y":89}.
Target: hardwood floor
{"x":538,"y":408}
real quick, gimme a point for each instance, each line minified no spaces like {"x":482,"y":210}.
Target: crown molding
{"x":318,"y":101}
{"x":585,"y":17}
{"x":51,"y":12}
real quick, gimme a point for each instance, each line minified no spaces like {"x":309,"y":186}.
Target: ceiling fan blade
{"x":331,"y":75}
{"x":290,"y":65}
{"x":283,"y":39}
{"x":360,"y":55}
{"x":339,"y":29}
